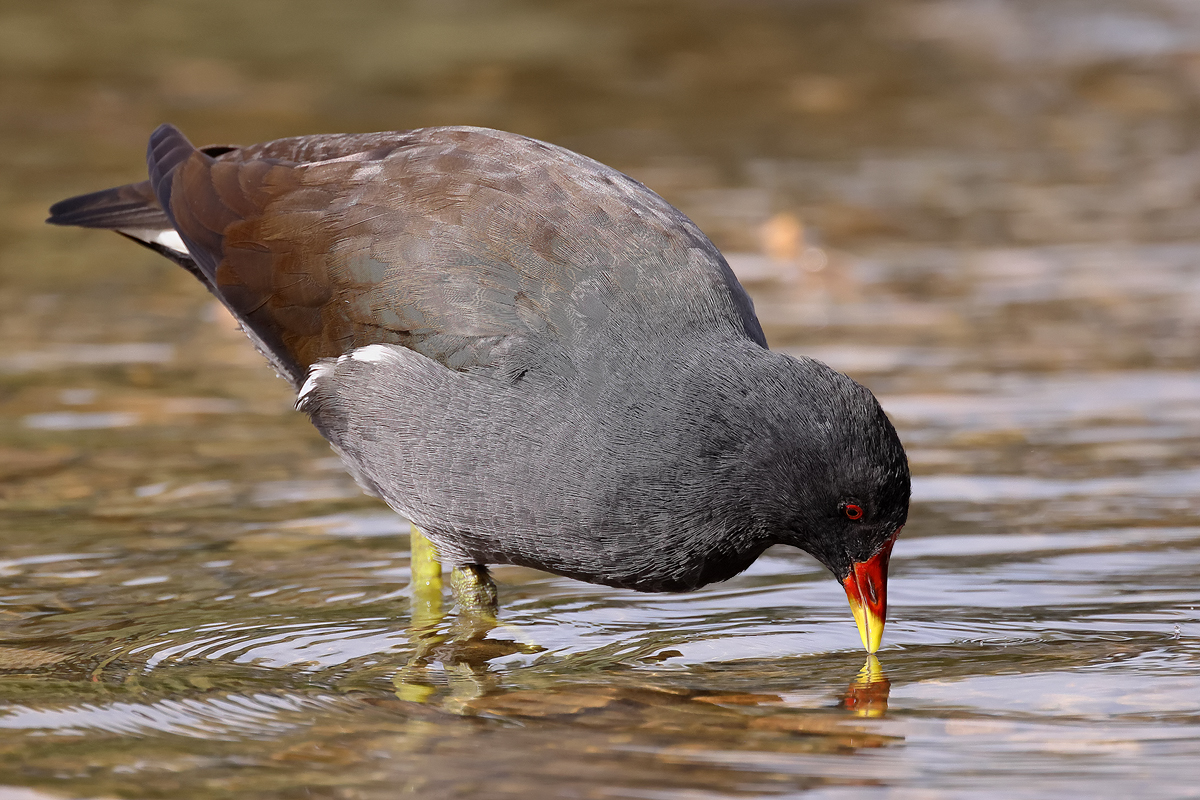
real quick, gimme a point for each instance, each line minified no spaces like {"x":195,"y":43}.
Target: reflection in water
{"x":867,"y":695}
{"x":458,"y":645}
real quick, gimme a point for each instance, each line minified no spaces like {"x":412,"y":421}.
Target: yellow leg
{"x":411,"y":682}
{"x":426,"y":572}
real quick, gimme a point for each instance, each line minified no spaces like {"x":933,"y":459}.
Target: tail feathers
{"x":168,"y":149}
{"x":130,"y":206}
{"x":137,"y":210}
{"x":131,"y":211}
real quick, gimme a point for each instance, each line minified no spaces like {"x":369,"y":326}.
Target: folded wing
{"x":486,"y":251}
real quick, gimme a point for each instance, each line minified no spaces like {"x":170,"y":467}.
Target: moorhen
{"x":529,"y":355}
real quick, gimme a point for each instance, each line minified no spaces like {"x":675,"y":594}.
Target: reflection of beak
{"x":866,"y":588}
{"x":867,"y":695}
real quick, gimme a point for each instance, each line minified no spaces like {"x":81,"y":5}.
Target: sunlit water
{"x":984,"y":211}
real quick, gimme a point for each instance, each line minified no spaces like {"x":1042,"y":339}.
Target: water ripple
{"x":221,"y":717}
{"x":300,"y":645}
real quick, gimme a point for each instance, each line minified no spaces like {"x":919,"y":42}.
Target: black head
{"x":835,"y":477}
{"x":838,"y":475}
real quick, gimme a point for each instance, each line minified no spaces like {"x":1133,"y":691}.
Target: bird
{"x":529,"y":355}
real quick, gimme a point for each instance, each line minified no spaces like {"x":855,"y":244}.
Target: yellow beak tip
{"x":870,"y":627}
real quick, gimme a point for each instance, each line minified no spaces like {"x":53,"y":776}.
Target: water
{"x":985,"y":211}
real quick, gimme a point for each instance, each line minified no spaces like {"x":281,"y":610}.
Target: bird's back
{"x":483,"y":250}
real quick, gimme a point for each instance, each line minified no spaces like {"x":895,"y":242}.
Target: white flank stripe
{"x":372,"y":353}
{"x":321,"y":369}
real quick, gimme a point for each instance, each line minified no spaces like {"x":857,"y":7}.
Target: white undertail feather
{"x":169,"y":238}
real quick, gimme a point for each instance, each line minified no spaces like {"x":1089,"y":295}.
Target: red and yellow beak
{"x":866,"y":588}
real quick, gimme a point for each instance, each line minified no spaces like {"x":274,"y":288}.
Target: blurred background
{"x":985,"y":210}
{"x":777,"y":126}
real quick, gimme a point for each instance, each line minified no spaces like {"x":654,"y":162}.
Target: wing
{"x":482,"y":250}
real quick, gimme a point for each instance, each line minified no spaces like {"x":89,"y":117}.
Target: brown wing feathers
{"x":261,"y":237}
{"x":458,"y":243}
{"x":317,"y":259}
{"x":203,"y":201}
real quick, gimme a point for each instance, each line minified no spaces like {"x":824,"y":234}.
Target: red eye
{"x":852,"y":511}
